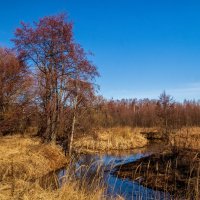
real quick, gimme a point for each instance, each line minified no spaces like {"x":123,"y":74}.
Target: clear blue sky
{"x":141,"y":47}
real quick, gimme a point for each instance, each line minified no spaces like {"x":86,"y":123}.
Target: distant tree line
{"x":162,"y":112}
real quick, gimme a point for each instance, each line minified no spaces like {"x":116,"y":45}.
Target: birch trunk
{"x":73,"y":126}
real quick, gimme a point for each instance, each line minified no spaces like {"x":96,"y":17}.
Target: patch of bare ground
{"x":175,"y":172}
{"x":106,"y":139}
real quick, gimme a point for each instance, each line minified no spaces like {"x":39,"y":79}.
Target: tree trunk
{"x":73,"y":126}
{"x":72,"y":135}
{"x":48,"y":129}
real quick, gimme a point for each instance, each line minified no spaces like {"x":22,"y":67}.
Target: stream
{"x":95,"y":170}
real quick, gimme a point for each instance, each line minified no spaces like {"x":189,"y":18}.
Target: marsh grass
{"x":105,"y":139}
{"x":126,"y":138}
{"x":87,"y":177}
{"x":23,"y":163}
{"x":25,"y":190}
{"x":28,"y":172}
{"x":24,"y":155}
{"x":186,"y":137}
{"x":96,"y":174}
{"x":177,"y":175}
{"x":83,"y":179}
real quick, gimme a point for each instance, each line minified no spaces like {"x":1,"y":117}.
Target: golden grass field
{"x":186,"y":138}
{"x":106,"y":139}
{"x":23,"y":160}
{"x":126,"y":138}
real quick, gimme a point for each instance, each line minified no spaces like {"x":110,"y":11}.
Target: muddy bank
{"x":173,"y":172}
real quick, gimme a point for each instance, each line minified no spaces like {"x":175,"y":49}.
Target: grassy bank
{"x":24,"y":160}
{"x":176,"y":173}
{"x":126,"y":138}
{"x":28,"y":158}
{"x":32,"y":191}
{"x":188,"y":138}
{"x":105,"y":139}
{"x":185,"y":137}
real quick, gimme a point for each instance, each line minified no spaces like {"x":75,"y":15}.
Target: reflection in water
{"x":95,"y":170}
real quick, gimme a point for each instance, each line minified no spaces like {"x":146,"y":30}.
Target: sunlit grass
{"x":186,"y":138}
{"x":23,"y":161}
{"x":119,"y":138}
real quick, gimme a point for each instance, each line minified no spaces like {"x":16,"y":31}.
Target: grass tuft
{"x":105,"y":139}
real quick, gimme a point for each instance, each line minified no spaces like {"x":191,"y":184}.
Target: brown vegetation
{"x":147,"y":113}
{"x":24,"y":160}
{"x":127,"y":138}
{"x":64,"y":77}
{"x":187,"y":138}
{"x":59,"y":100}
{"x":33,"y":191}
{"x":15,"y":94}
{"x":105,"y":139}
{"x":49,"y":83}
{"x":22,"y":156}
{"x":176,"y":173}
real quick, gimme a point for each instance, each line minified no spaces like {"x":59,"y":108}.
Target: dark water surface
{"x":95,"y":170}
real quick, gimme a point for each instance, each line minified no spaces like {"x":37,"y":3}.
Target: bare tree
{"x":15,"y":83}
{"x":49,"y":48}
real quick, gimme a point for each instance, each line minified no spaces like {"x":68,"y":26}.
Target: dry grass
{"x":186,"y":138}
{"x":119,"y":138}
{"x":27,"y":191}
{"x":177,"y":173}
{"x":126,"y":138}
{"x":23,"y":160}
{"x":25,"y":155}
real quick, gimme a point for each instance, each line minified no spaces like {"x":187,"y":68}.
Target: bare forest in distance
{"x":50,"y":112}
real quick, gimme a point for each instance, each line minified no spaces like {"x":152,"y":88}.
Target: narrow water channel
{"x":96,"y":170}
